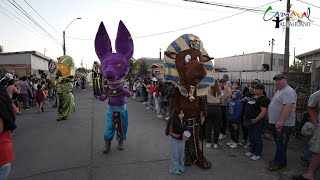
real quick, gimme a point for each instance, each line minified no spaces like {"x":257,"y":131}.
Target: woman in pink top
{"x":11,"y":89}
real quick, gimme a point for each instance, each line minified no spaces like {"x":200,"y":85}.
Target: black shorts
{"x":24,"y":98}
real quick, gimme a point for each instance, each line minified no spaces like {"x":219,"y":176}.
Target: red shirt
{"x":39,"y":96}
{"x":150,"y":89}
{"x":6,"y":150}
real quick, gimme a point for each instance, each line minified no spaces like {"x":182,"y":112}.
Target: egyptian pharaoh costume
{"x":97,"y":79}
{"x":115,"y":67}
{"x":188,"y":67}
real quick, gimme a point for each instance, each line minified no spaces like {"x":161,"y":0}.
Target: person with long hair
{"x":214,"y":101}
{"x":176,"y":128}
{"x":7,"y":124}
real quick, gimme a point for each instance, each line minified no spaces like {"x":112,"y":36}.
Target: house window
{"x":273,"y":62}
{"x":157,"y":73}
{"x":281,"y":62}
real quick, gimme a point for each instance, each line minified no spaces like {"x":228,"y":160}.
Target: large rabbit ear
{"x":102,"y":42}
{"x":124,"y":43}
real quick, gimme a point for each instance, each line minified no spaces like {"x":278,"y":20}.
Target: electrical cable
{"x":17,"y":6}
{"x":42,"y":17}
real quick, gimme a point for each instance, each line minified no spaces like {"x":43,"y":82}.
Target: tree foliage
{"x":83,"y":70}
{"x":3,"y":71}
{"x":297,"y":67}
{"x":143,"y":68}
{"x":133,"y":67}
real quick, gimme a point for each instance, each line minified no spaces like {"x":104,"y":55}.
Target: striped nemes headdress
{"x":182,"y":43}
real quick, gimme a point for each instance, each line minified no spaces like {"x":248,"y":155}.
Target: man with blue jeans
{"x":282,"y":116}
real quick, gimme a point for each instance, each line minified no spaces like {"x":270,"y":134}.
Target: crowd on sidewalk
{"x":152,"y":92}
{"x":248,"y":110}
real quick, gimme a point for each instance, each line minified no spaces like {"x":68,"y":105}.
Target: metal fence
{"x":266,"y":78}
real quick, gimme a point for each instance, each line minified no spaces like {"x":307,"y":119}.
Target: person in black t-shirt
{"x":255,"y":112}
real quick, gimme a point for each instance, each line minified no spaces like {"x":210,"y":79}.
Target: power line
{"x":17,"y":12}
{"x":41,"y":17}
{"x":25,"y":23}
{"x":34,"y":21}
{"x":17,"y":6}
{"x":13,"y":16}
{"x":309,"y":4}
{"x":225,"y":5}
{"x":201,"y":24}
{"x":17,"y":22}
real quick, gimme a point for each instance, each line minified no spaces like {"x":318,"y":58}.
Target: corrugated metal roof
{"x":308,"y":53}
{"x":35,"y":53}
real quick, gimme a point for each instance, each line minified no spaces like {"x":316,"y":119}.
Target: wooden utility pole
{"x":271,"y":43}
{"x":294,"y":56}
{"x":287,"y":41}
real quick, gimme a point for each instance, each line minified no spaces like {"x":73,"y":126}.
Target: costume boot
{"x":107,"y":148}
{"x":120,"y":145}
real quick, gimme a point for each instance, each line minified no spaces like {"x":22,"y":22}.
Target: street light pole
{"x":64,"y":37}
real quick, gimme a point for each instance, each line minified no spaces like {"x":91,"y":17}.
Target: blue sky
{"x":246,"y":32}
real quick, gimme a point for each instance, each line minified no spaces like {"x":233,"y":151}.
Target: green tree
{"x":83,"y":70}
{"x":133,"y":67}
{"x":143,"y":68}
{"x":297,"y":67}
{"x":3,"y":71}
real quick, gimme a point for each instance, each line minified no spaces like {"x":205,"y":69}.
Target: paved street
{"x":72,"y":150}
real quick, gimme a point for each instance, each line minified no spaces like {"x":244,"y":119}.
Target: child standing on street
{"x":177,"y":129}
{"x":40,"y":98}
{"x":234,"y":113}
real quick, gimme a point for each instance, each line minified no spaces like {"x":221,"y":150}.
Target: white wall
{"x":15,"y":59}
{"x":39,"y":63}
{"x":250,"y":62}
{"x":240,"y":63}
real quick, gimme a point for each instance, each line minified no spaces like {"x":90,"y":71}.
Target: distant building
{"x":24,"y":63}
{"x":312,"y":58}
{"x":155,"y":65}
{"x":250,"y":62}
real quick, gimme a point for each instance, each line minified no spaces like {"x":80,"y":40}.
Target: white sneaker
{"x":144,"y":103}
{"x":208,"y":145}
{"x":222,"y":136}
{"x":247,"y":146}
{"x":167,"y":118}
{"x":234,"y":145}
{"x":215,"y":146}
{"x":148,"y":108}
{"x":160,"y":116}
{"x":254,"y":158}
{"x":249,"y":154}
{"x":230,"y":143}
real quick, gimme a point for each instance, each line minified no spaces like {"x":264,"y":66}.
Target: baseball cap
{"x":222,"y":80}
{"x":279,"y":77}
{"x":259,"y":86}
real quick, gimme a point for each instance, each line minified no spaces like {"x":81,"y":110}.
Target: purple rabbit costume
{"x":115,"y":67}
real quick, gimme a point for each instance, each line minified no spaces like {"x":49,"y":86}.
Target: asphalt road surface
{"x":72,"y":150}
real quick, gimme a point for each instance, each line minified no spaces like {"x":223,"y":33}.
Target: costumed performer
{"x":63,"y":76}
{"x":97,"y":79}
{"x":188,"y":67}
{"x":115,"y":67}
